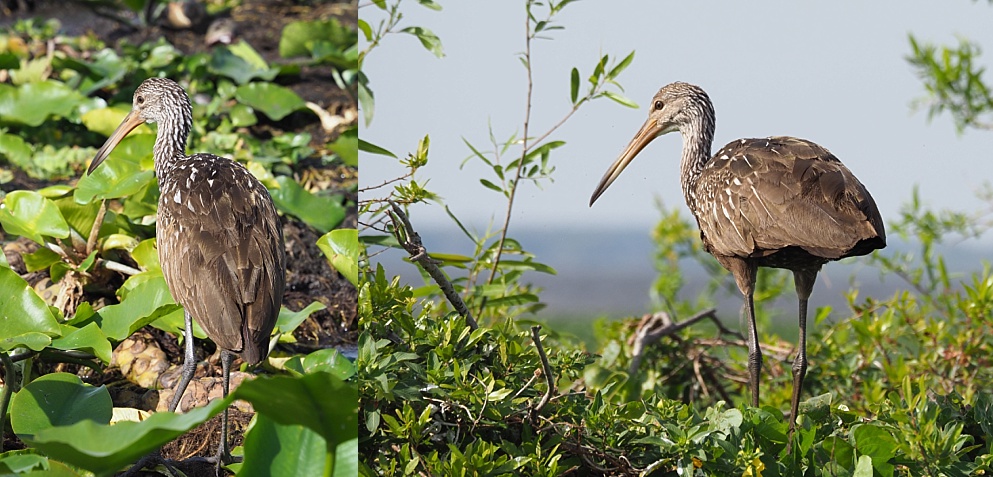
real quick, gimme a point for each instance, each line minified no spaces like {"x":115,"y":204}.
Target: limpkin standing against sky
{"x":219,"y":238}
{"x":777,"y":202}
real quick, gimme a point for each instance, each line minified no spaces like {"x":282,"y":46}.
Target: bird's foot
{"x":151,"y":461}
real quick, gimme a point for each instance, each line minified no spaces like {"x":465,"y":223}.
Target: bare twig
{"x":91,"y":242}
{"x":547,"y":369}
{"x":118,"y":267}
{"x":659,"y":325}
{"x":411,"y":242}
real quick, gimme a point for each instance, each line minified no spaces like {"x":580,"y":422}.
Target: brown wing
{"x":221,"y":250}
{"x":757,"y":196}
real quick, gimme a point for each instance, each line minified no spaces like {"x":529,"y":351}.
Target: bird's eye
{"x":141,"y":99}
{"x":658,"y":105}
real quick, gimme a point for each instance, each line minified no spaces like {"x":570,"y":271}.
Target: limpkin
{"x":219,"y":239}
{"x":778,"y":202}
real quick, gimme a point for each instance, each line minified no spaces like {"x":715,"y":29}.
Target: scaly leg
{"x":804,"y":280}
{"x":223,"y":453}
{"x":189,"y":363}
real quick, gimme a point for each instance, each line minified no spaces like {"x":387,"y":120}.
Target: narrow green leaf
{"x":429,"y":40}
{"x":616,"y":70}
{"x":574,"y":85}
{"x":621,"y":99}
{"x":371,"y":148}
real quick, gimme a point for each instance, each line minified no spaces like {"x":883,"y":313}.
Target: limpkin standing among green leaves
{"x":778,"y":202}
{"x":220,"y":241}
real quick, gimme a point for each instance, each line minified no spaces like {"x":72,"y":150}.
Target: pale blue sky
{"x":831,"y":72}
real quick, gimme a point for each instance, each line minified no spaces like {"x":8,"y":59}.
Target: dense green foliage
{"x":96,"y":241}
{"x":898,"y":385}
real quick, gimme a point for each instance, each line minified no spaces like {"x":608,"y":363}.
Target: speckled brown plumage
{"x":778,"y":202}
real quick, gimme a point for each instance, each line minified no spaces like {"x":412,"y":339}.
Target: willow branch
{"x":411,"y":242}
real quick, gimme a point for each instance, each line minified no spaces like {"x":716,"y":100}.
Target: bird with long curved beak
{"x":779,"y":202}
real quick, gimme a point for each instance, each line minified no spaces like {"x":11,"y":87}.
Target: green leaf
{"x":29,"y":214}
{"x":620,"y":99}
{"x":341,"y":247}
{"x":57,"y":399}
{"x":620,"y":66}
{"x":371,"y":148}
{"x":88,"y":338}
{"x":271,"y":99}
{"x":241,"y":63}
{"x":242,"y":116}
{"x":318,"y":401}
{"x":328,"y":360}
{"x":367,"y":102}
{"x":31,"y":104}
{"x":429,"y":40}
{"x":289,"y":320}
{"x":347,"y":146}
{"x":302,"y":38}
{"x":15,"y":150}
{"x":122,"y":174}
{"x":40,"y":259}
{"x":574,"y":85}
{"x":146,"y":255}
{"x":319,"y":211}
{"x":105,"y":449}
{"x":144,"y":304}
{"x":277,"y":449}
{"x":106,"y":120}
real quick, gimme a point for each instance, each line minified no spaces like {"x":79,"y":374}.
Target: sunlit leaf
{"x":29,"y":214}
{"x":319,"y":211}
{"x":271,"y":99}
{"x":341,"y":247}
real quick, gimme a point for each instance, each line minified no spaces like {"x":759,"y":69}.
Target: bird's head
{"x":676,"y":107}
{"x":157,"y":100}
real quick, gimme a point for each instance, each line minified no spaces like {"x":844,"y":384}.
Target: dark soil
{"x":309,"y":276}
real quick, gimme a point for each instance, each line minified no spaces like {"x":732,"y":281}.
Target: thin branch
{"x":524,"y":151}
{"x":411,"y":242}
{"x":91,"y":242}
{"x":549,"y":377}
{"x":659,"y":325}
{"x":118,"y":267}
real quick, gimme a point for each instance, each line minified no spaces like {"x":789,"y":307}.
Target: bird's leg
{"x":744,"y":273}
{"x":223,"y":453}
{"x":804,"y":281}
{"x":189,"y":363}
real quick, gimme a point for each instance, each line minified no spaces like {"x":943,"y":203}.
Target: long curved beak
{"x":649,"y":131}
{"x":131,"y":121}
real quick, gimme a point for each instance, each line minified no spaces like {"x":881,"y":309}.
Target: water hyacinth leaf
{"x":122,"y":174}
{"x":347,"y":147}
{"x":341,"y":247}
{"x":14,"y":149}
{"x":32,"y":103}
{"x":57,"y":399}
{"x":105,"y":449}
{"x":318,"y":401}
{"x":289,"y":320}
{"x":106,"y":120}
{"x":40,"y":259}
{"x":271,"y":99}
{"x":319,"y":211}
{"x":272,"y":448}
{"x":300,"y":38}
{"x":29,"y":214}
{"x":328,"y":360}
{"x":88,"y":338}
{"x":143,"y":304}
{"x":240,"y":63}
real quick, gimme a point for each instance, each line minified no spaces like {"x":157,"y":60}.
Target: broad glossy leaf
{"x":144,"y":304}
{"x":105,"y":449}
{"x":57,"y":399}
{"x":271,"y":99}
{"x":278,"y":449}
{"x":88,"y":338}
{"x":289,"y":320}
{"x":321,"y":212}
{"x":31,"y":104}
{"x":318,"y":401}
{"x":240,"y":63}
{"x":29,"y":214}
{"x":23,"y":311}
{"x":341,"y":247}
{"x":14,"y":149}
{"x":347,"y":147}
{"x":121,"y":174}
{"x":328,"y":360}
{"x":146,"y":255}
{"x":106,"y":120}
{"x":40,"y":259}
{"x":300,"y":38}
{"x":79,"y":216}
